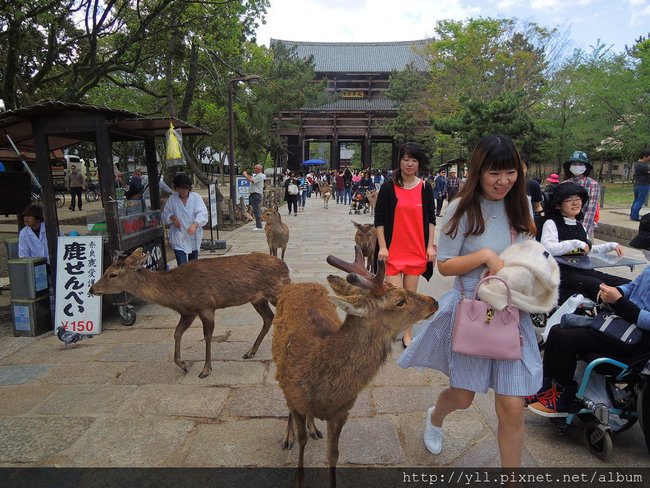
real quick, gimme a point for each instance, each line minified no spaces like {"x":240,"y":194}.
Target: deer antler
{"x":359,"y":275}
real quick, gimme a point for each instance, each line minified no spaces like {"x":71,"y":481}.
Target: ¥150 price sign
{"x":84,"y":326}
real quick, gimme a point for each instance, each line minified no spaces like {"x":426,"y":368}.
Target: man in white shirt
{"x":255,"y":193}
{"x":32,"y":242}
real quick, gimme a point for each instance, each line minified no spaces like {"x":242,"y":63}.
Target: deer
{"x":199,"y":288}
{"x":323,"y":363}
{"x":371,"y":198}
{"x":366,"y":239}
{"x":277,"y":232}
{"x":326,"y":193}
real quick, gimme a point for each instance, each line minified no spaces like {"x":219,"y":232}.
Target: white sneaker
{"x":257,"y":228}
{"x":432,"y":435}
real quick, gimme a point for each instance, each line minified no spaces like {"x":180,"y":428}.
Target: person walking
{"x":75,"y":183}
{"x":291,"y":193}
{"x":488,"y":215}
{"x":641,"y":184}
{"x":340,"y":187}
{"x":453,"y":185}
{"x":255,"y":193}
{"x":577,"y":170}
{"x":440,"y":189}
{"x":405,"y":221}
{"x":186,"y":214}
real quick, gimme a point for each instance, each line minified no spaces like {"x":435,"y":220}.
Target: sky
{"x":615,"y":23}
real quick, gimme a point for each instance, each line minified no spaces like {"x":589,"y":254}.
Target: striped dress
{"x":432,"y":347}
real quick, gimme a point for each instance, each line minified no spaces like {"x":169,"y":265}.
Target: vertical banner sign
{"x":212,"y":196}
{"x":79,"y":265}
{"x":243,"y":185}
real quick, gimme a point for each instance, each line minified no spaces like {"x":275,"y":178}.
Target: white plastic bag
{"x":567,"y":307}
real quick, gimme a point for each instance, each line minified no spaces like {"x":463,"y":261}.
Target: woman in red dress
{"x":405,"y":219}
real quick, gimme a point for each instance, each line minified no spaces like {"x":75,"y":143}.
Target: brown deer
{"x":326,"y":193}
{"x":371,"y":198}
{"x":322,"y":363}
{"x":199,"y":288}
{"x":366,"y":239}
{"x":277,"y":232}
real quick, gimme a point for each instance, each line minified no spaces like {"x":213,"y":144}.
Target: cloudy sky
{"x":614,"y":22}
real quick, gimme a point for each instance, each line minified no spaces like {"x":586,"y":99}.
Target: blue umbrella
{"x":314,"y":162}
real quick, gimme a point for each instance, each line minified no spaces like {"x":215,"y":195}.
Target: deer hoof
{"x":248,"y":355}
{"x":204,"y":373}
{"x":287,"y":445}
{"x":316,"y":434}
{"x":182,"y":365}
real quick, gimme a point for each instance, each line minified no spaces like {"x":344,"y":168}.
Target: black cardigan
{"x":385,"y":215}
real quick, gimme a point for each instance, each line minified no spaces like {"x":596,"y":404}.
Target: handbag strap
{"x":488,"y":278}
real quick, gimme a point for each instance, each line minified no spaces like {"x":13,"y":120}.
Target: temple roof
{"x":374,"y":105}
{"x":360,"y":57}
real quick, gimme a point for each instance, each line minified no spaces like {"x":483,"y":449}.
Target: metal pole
{"x":231,"y":153}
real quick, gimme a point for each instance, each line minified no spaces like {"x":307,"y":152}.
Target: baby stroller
{"x":358,"y":201}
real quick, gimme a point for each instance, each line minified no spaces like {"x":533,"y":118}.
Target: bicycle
{"x":59,"y":198}
{"x":94,"y":193}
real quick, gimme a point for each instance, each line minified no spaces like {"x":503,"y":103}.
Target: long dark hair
{"x":495,"y":152}
{"x":413,"y":150}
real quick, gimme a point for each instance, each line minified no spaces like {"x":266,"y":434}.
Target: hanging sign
{"x":78,"y":265}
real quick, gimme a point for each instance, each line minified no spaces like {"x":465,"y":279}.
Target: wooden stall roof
{"x":18,"y":124}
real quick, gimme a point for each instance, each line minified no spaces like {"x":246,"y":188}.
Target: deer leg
{"x":314,"y":433}
{"x":265,"y":311}
{"x":288,"y":438}
{"x":208,"y":328}
{"x":183,"y":324}
{"x":283,"y":251}
{"x":334,"y":426}
{"x":302,"y":435}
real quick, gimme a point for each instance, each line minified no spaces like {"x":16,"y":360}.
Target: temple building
{"x":357,"y":74}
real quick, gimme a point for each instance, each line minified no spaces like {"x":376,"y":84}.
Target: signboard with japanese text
{"x":212,"y":195}
{"x":243,"y":185}
{"x":79,"y":265}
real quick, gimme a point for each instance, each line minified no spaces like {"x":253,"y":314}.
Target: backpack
{"x":292,"y":189}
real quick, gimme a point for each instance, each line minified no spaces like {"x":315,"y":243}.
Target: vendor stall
{"x":128,"y":224}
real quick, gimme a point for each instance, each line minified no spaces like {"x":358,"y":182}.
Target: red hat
{"x":553,"y":178}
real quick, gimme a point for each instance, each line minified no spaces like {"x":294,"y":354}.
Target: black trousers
{"x":439,"y":203}
{"x":292,"y":201}
{"x":565,"y":345}
{"x":586,"y":281}
{"x":75,"y":192}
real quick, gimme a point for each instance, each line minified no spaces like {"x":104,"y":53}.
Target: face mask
{"x":577,"y":169}
{"x":646,"y":253}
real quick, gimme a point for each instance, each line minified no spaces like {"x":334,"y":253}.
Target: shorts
{"x":393,"y":269}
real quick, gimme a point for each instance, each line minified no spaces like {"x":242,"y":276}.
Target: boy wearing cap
{"x":32,"y":242}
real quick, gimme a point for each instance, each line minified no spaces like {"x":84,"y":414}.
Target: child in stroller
{"x":358,"y":202}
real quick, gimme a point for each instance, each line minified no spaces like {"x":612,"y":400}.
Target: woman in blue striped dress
{"x":488,"y":215}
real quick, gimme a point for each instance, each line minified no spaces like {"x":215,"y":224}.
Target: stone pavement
{"x":118,"y":400}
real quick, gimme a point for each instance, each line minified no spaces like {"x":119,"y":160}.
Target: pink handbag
{"x":481,"y":331}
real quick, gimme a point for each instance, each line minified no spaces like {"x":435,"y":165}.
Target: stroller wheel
{"x":598,"y":439}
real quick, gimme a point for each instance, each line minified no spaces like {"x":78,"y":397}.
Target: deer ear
{"x":340,"y":286}
{"x":347,"y":306}
{"x":136,"y":259}
{"x":358,"y":226}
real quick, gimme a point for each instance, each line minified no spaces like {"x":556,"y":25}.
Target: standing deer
{"x":277,"y":232}
{"x":371,"y":198}
{"x":322,"y":363}
{"x":199,"y":288}
{"x":326,"y":193}
{"x":366,"y":239}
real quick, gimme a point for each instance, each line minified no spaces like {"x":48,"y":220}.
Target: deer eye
{"x":112,"y":275}
{"x":401,"y":303}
